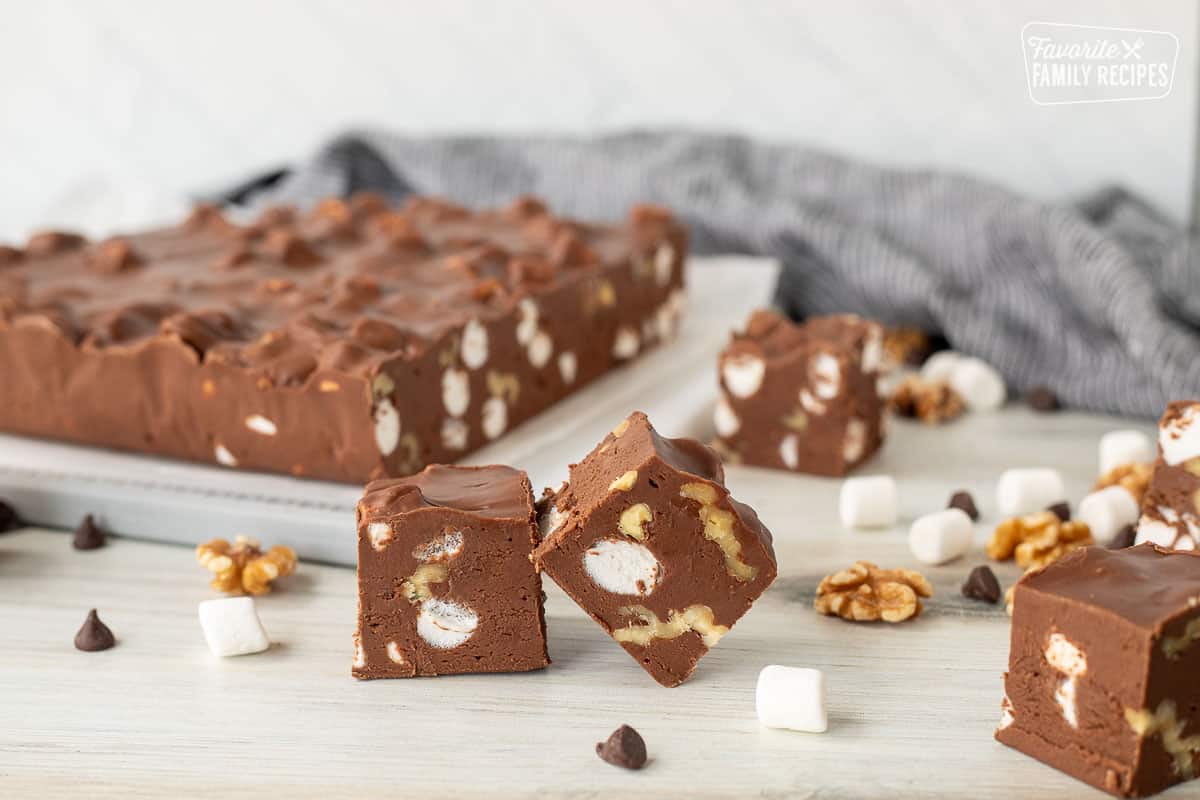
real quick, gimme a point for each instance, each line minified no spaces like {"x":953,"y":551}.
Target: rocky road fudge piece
{"x":1101,"y":682}
{"x":1171,"y":505}
{"x":801,"y":397}
{"x":444,"y":579}
{"x":349,"y":342}
{"x":646,"y":539}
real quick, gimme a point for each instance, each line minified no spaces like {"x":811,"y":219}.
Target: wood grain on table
{"x":912,"y":707}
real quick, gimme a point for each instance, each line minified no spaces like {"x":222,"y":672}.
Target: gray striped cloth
{"x":1076,"y":298}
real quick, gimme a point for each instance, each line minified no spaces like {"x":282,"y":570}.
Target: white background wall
{"x":111,"y":111}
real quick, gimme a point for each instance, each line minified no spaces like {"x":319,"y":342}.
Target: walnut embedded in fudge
{"x":646,"y":539}
{"x":1101,"y":678}
{"x":801,"y":397}
{"x":444,"y":577}
{"x":1171,"y":503}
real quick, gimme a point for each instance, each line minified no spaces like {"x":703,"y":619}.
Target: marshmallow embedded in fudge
{"x":1107,"y":511}
{"x":1118,"y":448}
{"x":791,"y":698}
{"x":646,"y":539}
{"x":231,"y":627}
{"x":1102,"y":663}
{"x":978,"y":383}
{"x":802,"y":396}
{"x":1023,"y":491}
{"x":444,"y":578}
{"x":1171,"y":503}
{"x":941,"y":537}
{"x":869,"y":502}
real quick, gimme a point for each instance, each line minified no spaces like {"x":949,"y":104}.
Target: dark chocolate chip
{"x":1122,"y":538}
{"x":981,"y":584}
{"x":94,"y":635}
{"x":88,"y":535}
{"x":9,"y":519}
{"x":963,"y":501}
{"x":1042,"y":398}
{"x":625,"y":748}
{"x":1061,"y":510}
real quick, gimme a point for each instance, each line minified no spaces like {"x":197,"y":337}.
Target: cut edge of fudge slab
{"x":444,"y":575}
{"x":1105,"y":645}
{"x":646,"y":539}
{"x":349,"y":342}
{"x":1171,"y":505}
{"x":801,"y":397}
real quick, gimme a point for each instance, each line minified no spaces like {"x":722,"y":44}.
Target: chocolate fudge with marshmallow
{"x":801,"y":397}
{"x":352,"y":341}
{"x":445,"y":580}
{"x":1101,"y":679}
{"x":1171,"y":506}
{"x":647,"y":540}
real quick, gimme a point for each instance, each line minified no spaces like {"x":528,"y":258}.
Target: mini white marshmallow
{"x":621,"y":566}
{"x":725,"y":419}
{"x":527,"y":324}
{"x":445,"y":624}
{"x":789,"y":451}
{"x":743,"y":374}
{"x":1155,"y":531}
{"x":261,"y":425}
{"x":567,"y":366}
{"x":1180,"y":438}
{"x":224,"y":457}
{"x":455,"y":434}
{"x":474,"y":345}
{"x":825,"y":372}
{"x":231,"y":627}
{"x":387,"y":426}
{"x":495,"y":417}
{"x":1125,"y":447}
{"x":1023,"y":491}
{"x":939,"y":365}
{"x":791,"y":698}
{"x":626,"y":344}
{"x":855,"y":441}
{"x":869,"y":502}
{"x":456,"y":391}
{"x":664,"y":263}
{"x":872,"y":351}
{"x":941,"y":537}
{"x":540,"y":349}
{"x":978,"y":383}
{"x":1107,"y":511}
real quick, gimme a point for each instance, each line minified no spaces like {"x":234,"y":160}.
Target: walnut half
{"x":866,"y":593}
{"x":1037,"y":539}
{"x":932,"y":402}
{"x":243,"y":566}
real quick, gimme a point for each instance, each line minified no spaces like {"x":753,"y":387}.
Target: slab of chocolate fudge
{"x":1171,"y":506}
{"x":646,"y":539}
{"x":1101,"y":681}
{"x":801,"y":397}
{"x":444,"y":576}
{"x":349,"y":342}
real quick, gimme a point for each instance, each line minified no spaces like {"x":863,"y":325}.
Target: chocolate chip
{"x":1122,"y":538}
{"x":9,"y":519}
{"x":1061,"y":510}
{"x":963,"y":501}
{"x":94,"y":635}
{"x":88,"y":535}
{"x":1042,"y":398}
{"x":625,"y":748}
{"x":981,"y":584}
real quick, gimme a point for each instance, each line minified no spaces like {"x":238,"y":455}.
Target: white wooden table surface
{"x":912,"y":707}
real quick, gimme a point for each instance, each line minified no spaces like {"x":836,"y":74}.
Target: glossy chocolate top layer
{"x":1146,"y":585}
{"x":495,"y":492}
{"x":344,"y":286}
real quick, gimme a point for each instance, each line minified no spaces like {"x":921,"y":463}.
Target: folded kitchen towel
{"x":1086,"y":299}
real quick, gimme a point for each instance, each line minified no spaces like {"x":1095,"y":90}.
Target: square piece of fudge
{"x":1101,"y":676}
{"x":646,"y":539}
{"x":801,"y":397}
{"x":1171,"y":507}
{"x":445,"y":583}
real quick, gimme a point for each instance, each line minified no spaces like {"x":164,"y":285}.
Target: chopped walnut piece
{"x":243,"y":566}
{"x":1037,"y":539}
{"x":905,"y":346}
{"x":865,"y":593}
{"x":932,"y":402}
{"x":1133,"y":478}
